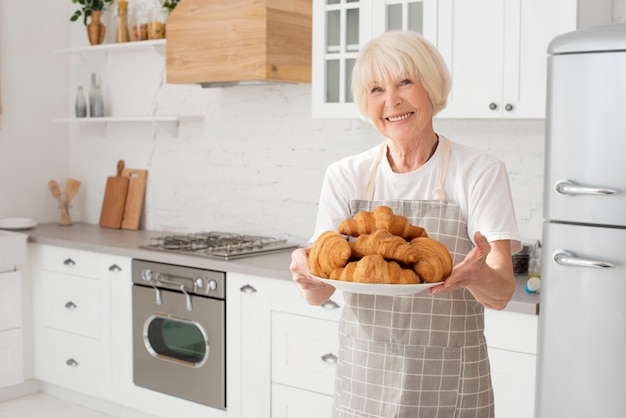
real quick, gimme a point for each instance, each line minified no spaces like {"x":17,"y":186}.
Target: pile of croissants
{"x":388,"y":249}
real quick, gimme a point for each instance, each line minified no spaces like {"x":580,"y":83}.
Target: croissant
{"x":330,"y":251}
{"x":434,"y":263}
{"x":391,"y":247}
{"x":375,"y":269}
{"x":381,"y":218}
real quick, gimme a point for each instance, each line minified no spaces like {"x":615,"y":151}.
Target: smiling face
{"x":400,"y":109}
{"x":389,"y":61}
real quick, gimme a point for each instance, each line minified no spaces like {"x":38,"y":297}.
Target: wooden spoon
{"x":71,"y":188}
{"x":56,"y":193}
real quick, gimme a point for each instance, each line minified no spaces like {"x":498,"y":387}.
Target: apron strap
{"x":438,"y":193}
{"x":368,"y":194}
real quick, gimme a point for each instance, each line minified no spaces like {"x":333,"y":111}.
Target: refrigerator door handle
{"x":567,"y":187}
{"x":567,"y":258}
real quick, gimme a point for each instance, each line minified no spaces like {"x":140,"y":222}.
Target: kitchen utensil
{"x":56,"y":193}
{"x":114,"y":199}
{"x":134,"y":197}
{"x":71,"y":188}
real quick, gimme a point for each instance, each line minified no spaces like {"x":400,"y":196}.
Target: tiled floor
{"x":41,"y":405}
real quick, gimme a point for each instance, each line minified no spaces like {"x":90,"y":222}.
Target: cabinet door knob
{"x":69,"y":262}
{"x":329,"y":358}
{"x":71,"y":362}
{"x":508,"y":107}
{"x":247,"y":289}
{"x":115,"y":268}
{"x":330,"y":304}
{"x":493,"y":106}
{"x":71,"y":305}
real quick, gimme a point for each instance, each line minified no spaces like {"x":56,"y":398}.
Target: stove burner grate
{"x":218,"y":244}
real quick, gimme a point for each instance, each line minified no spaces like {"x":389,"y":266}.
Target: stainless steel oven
{"x":179,"y":338}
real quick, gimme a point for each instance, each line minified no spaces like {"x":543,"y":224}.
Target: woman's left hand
{"x":486,"y":271}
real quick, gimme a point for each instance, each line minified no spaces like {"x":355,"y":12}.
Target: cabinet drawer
{"x":70,"y":261}
{"x":72,"y":304}
{"x":304,"y":352}
{"x":71,"y":361}
{"x":10,"y":300}
{"x":287,"y":298}
{"x":288,"y":402}
{"x":511,"y":331}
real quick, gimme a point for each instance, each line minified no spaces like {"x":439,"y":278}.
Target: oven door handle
{"x":180,"y":286}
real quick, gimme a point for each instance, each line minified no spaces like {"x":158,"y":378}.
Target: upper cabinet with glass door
{"x":340,"y":28}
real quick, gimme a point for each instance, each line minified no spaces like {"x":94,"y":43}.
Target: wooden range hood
{"x":226,"y":41}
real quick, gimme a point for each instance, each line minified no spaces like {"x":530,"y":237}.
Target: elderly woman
{"x":422,"y":355}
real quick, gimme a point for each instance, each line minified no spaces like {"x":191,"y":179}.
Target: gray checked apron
{"x":416,"y":355}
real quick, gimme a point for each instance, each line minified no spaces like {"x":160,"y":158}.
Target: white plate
{"x":377,"y":289}
{"x":17,"y":223}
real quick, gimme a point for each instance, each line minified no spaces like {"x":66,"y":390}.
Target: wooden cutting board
{"x":134,"y":198}
{"x":114,"y":199}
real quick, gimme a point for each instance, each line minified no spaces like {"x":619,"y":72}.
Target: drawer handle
{"x":72,"y":363}
{"x":247,"y":289}
{"x":329,"y":358}
{"x":71,"y":305}
{"x":115,"y":268}
{"x":330,"y":304}
{"x":69,"y":262}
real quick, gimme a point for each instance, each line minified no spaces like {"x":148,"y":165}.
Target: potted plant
{"x":92,"y":9}
{"x":169,"y":5}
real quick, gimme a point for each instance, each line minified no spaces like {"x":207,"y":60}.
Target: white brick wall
{"x":255,"y":164}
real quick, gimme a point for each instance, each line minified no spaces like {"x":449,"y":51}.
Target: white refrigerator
{"x":582,"y":321}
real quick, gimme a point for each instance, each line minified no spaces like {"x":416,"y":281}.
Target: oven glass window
{"x":178,"y":340}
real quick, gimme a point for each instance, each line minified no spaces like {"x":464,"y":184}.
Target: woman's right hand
{"x":313,"y":291}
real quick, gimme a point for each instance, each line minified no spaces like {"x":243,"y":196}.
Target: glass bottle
{"x":121,"y":22}
{"x":81,"y":104}
{"x":92,"y":93}
{"x":96,"y":101}
{"x":98,"y":104}
{"x":534,"y":269}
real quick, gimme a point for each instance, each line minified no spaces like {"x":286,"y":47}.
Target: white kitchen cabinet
{"x":496,"y":51}
{"x":11,"y":333}
{"x":340,"y":28}
{"x":12,"y":254}
{"x":71,"y":319}
{"x":285,"y":349}
{"x":512,"y":346}
{"x":248,"y":349}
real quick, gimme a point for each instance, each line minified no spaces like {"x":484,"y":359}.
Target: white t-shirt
{"x":477,"y":181}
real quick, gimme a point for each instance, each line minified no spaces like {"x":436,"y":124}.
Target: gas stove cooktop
{"x":223,"y":245}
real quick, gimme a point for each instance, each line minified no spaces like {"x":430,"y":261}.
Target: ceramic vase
{"x":96,"y":29}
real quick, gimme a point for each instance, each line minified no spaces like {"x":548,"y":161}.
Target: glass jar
{"x":156,"y":25}
{"x":140,"y":24}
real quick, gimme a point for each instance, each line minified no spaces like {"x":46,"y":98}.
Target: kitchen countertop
{"x":90,"y":237}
